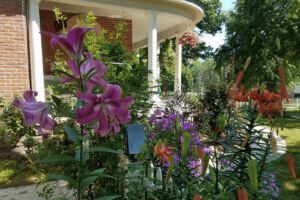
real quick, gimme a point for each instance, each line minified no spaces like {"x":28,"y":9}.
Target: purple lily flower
{"x":85,"y":68}
{"x":35,"y":112}
{"x":108,"y":109}
{"x":72,"y":43}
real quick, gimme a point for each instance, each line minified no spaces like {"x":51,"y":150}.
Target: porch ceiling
{"x":174,"y":16}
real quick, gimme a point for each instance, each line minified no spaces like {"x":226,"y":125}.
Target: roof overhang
{"x":174,"y":16}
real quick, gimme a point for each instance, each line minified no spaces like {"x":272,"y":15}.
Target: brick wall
{"x":14,"y":70}
{"x":110,"y":25}
{"x":47,"y":19}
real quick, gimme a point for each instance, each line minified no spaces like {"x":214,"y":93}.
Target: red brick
{"x":14,"y":68}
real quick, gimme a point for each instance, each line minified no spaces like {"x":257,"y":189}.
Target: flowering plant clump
{"x":270,"y":187}
{"x":95,"y":113}
{"x":175,"y":146}
{"x":190,"y":38}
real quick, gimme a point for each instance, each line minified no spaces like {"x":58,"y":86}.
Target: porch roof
{"x":173,"y":16}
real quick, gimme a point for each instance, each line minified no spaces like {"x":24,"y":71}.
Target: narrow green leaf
{"x":72,"y":134}
{"x":109,"y":197}
{"x":108,"y":176}
{"x":57,"y":158}
{"x":278,"y":43}
{"x":97,"y":172}
{"x":105,"y":149}
{"x":62,"y":177}
{"x":87,"y":181}
{"x":92,"y":74}
{"x":67,"y":74}
{"x":90,"y":71}
{"x":253,"y":40}
{"x":60,"y":198}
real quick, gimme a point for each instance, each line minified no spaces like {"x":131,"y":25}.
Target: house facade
{"x":24,"y":52}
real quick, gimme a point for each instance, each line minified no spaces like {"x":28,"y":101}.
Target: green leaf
{"x":78,"y":104}
{"x":62,"y":177}
{"x":67,"y":74}
{"x":56,"y":100}
{"x":72,"y":134}
{"x":97,"y":172}
{"x":87,"y":181}
{"x":57,"y":158}
{"x":253,"y":40}
{"x":108,"y":176}
{"x":60,"y":198}
{"x":278,"y":43}
{"x":105,"y":149}
{"x":109,"y":197}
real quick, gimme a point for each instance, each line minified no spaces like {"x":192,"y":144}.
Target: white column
{"x":178,"y":61}
{"x":152,"y":49}
{"x":36,"y":56}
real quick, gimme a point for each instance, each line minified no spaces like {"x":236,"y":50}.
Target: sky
{"x":218,"y":39}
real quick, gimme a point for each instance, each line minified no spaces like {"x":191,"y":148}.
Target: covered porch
{"x":152,"y":22}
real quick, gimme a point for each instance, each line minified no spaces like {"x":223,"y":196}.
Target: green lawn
{"x":289,"y":187}
{"x":14,"y":171}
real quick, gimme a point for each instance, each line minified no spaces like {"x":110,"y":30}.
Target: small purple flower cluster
{"x":228,"y":164}
{"x":196,"y":167}
{"x":167,"y":122}
{"x":270,"y":186}
{"x":163,"y":122}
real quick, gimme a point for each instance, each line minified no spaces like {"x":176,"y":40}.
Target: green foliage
{"x":213,"y":15}
{"x":268,"y":32}
{"x":12,"y":124}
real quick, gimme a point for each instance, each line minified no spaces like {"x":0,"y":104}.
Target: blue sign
{"x":135,"y":138}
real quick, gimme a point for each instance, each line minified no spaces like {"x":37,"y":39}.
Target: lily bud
{"x":247,"y":63}
{"x":274,"y":146}
{"x":290,"y":162}
{"x":205,"y":162}
{"x":199,"y":152}
{"x":247,"y":138}
{"x":177,"y":125}
{"x":242,"y":194}
{"x":159,"y":175}
{"x":170,"y":169}
{"x":252,"y":173}
{"x":197,"y":197}
{"x":185,"y":144}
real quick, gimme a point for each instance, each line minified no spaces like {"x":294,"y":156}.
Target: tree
{"x":213,"y":16}
{"x":211,"y":24}
{"x":268,"y":32}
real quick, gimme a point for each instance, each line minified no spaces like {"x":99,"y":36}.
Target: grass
{"x":289,"y":187}
{"x":14,"y":171}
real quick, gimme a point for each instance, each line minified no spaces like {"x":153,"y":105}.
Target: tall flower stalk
{"x":105,"y":111}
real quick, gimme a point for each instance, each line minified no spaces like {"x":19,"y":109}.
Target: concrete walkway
{"x":281,"y":144}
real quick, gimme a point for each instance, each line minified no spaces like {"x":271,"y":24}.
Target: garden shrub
{"x":11,"y":124}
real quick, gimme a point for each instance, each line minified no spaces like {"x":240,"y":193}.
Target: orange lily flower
{"x":164,"y":151}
